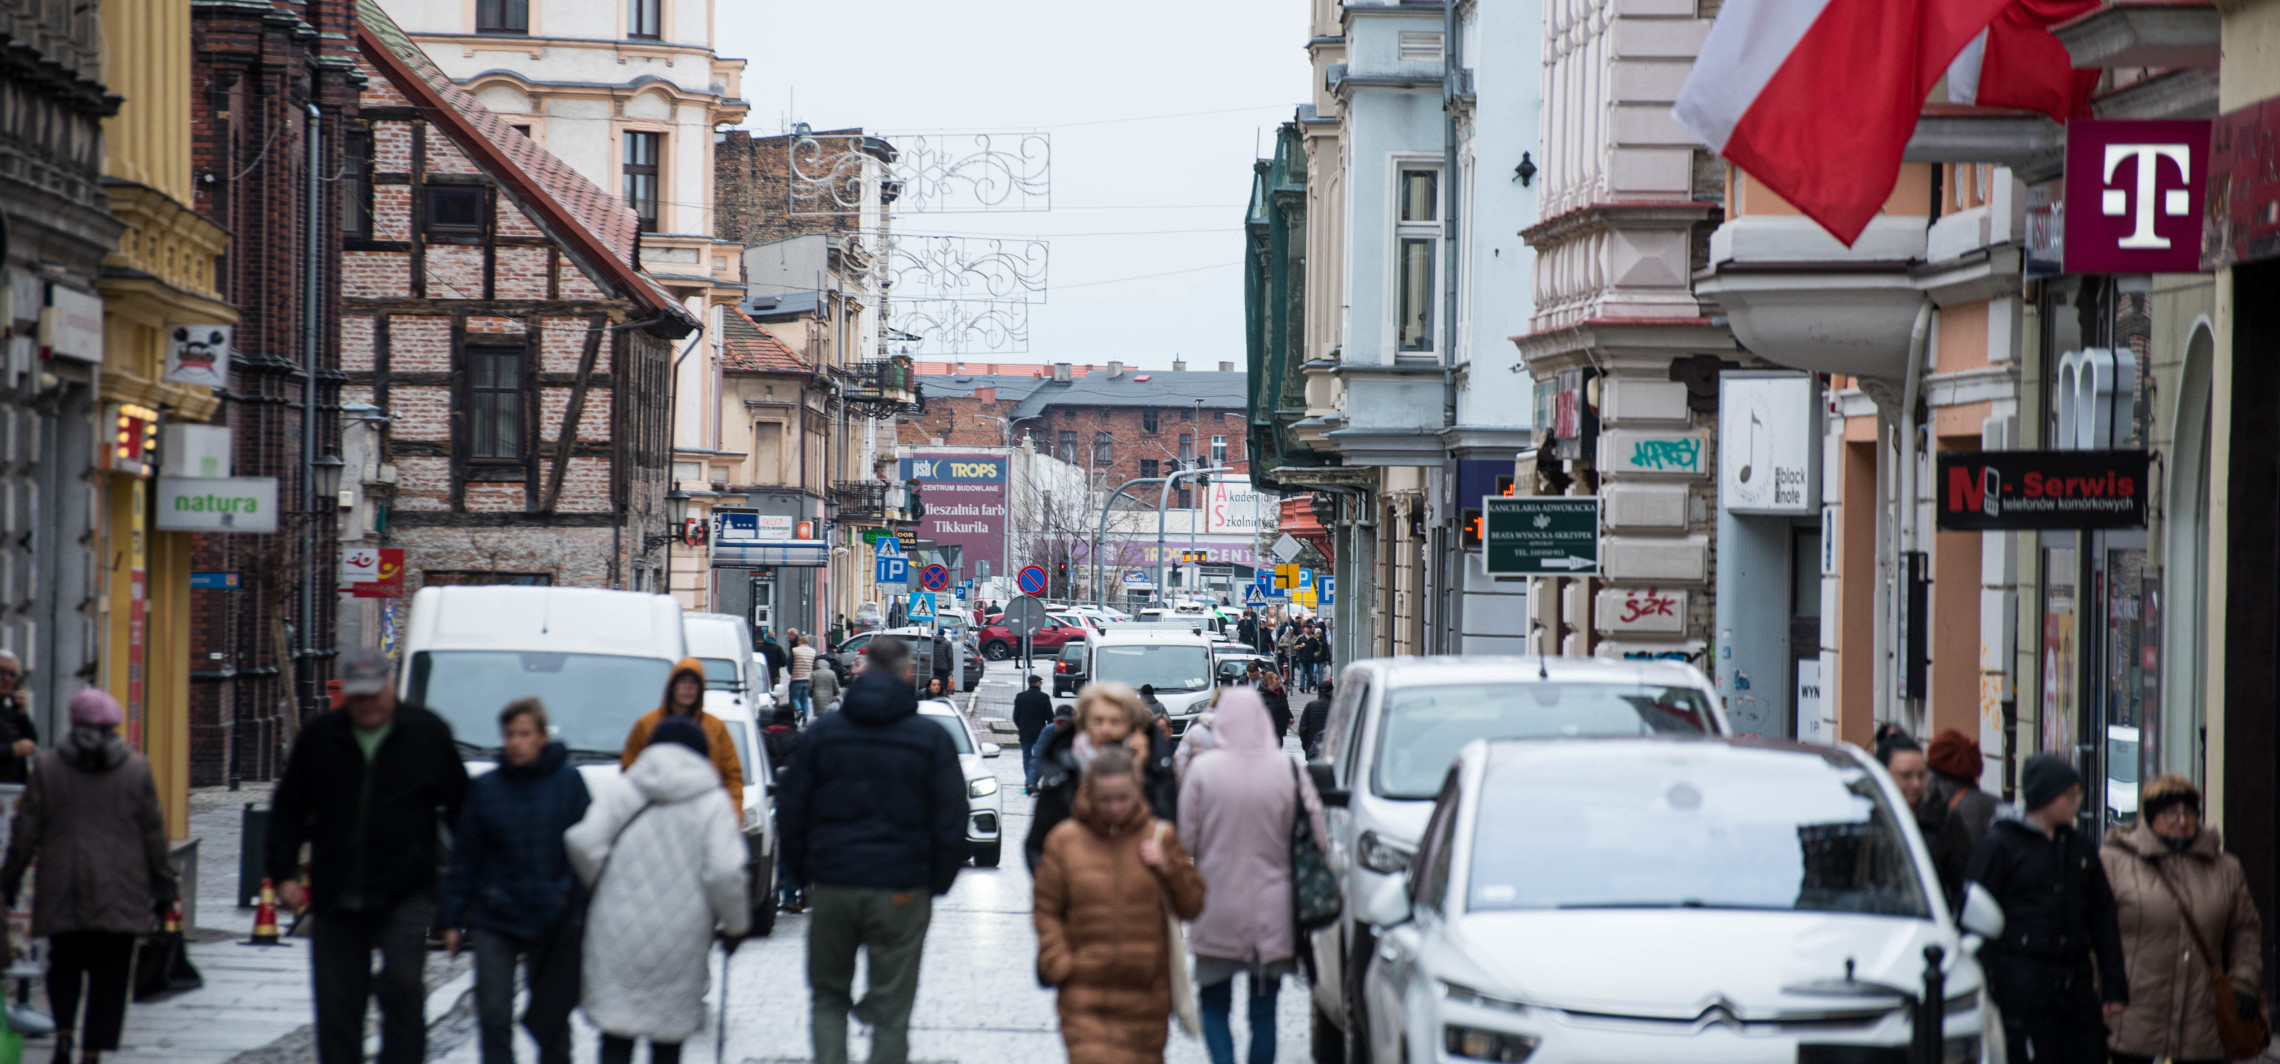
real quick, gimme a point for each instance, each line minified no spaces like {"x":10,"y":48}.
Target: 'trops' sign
{"x":954,"y":469}
{"x":2134,"y":195}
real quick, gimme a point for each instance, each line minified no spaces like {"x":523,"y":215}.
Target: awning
{"x":1297,"y":518}
{"x":778,"y":553}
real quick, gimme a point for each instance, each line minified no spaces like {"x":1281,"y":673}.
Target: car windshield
{"x":1072,"y":651}
{"x":1423,"y":727}
{"x":957,"y":731}
{"x":1168,"y":667}
{"x":1708,"y":826}
{"x":591,"y":700}
{"x":720,"y":673}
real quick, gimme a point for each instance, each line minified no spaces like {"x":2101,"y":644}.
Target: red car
{"x":999,"y":642}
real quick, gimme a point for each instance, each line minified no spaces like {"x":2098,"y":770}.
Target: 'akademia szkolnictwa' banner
{"x":1978,"y":491}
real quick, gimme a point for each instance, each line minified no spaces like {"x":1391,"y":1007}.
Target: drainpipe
{"x":312,"y":281}
{"x":1452,"y":183}
{"x":1904,"y":524}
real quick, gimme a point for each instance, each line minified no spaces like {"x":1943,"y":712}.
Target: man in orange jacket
{"x":685,"y":697}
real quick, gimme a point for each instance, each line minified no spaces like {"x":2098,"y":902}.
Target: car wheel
{"x":1329,"y":1043}
{"x":764,"y":901}
{"x":987,"y":856}
{"x":996,"y":650}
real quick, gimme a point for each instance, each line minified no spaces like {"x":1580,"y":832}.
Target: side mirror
{"x":1388,"y":903}
{"x":992,"y":749}
{"x":1326,"y":784}
{"x":1982,"y":915}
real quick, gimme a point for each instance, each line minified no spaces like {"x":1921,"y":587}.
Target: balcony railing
{"x":860,"y":500}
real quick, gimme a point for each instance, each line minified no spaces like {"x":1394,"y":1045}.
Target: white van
{"x":1174,"y":658}
{"x":736,"y":692}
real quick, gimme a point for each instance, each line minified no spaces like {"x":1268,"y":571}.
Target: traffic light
{"x":1193,"y":557}
{"x":1063,"y":569}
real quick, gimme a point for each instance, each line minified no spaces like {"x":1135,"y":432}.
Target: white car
{"x":1395,"y":727}
{"x":1704,"y":900}
{"x":985,"y":807}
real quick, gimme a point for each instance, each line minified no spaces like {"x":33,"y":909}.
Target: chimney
{"x":1227,"y":367}
{"x":1179,"y":365}
{"x":1115,"y":369}
{"x":1061,"y":372}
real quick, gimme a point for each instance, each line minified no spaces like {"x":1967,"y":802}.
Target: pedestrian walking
{"x":1277,"y":699}
{"x":1238,"y":803}
{"x":90,"y":817}
{"x":1315,"y":718}
{"x":873,"y":813}
{"x":1285,"y":637}
{"x":19,"y":738}
{"x":803,"y":672}
{"x":366,"y":787}
{"x":685,"y":697}
{"x":1108,"y":715}
{"x":774,"y":655}
{"x":2164,"y":866}
{"x":511,"y":885}
{"x":1063,"y":720}
{"x":1199,"y":738}
{"x":823,"y":688}
{"x":1956,"y":764}
{"x":1032,"y":714}
{"x":1105,"y":880}
{"x":941,"y":661}
{"x":1943,"y":831}
{"x":665,"y":864}
{"x":2058,"y":916}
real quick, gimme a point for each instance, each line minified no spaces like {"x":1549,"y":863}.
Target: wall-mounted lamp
{"x":1526,"y":171}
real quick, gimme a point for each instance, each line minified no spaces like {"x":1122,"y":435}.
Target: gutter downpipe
{"x":1904,"y":523}
{"x":1452,"y":76}
{"x":313,"y":280}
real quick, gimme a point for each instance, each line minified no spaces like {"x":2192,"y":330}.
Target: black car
{"x":1069,"y":668}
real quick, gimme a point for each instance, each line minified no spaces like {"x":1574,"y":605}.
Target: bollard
{"x":1931,"y":1010}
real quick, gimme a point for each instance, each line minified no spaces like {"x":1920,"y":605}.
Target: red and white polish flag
{"x":1817,"y":98}
{"x":2015,"y":62}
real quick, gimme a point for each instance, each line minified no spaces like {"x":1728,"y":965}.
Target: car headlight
{"x":1472,"y":1043}
{"x":1378,"y":855}
{"x":1964,"y":1050}
{"x":1465,"y":995}
{"x":981,"y":787}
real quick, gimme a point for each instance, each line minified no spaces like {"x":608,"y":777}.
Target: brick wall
{"x":752,"y":190}
{"x":958,"y":421}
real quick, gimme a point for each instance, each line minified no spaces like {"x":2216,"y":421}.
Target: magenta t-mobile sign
{"x":2134,"y":193}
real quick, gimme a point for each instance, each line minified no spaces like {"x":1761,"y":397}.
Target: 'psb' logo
{"x":2136,"y":191}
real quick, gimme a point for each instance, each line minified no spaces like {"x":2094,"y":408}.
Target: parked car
{"x":985,"y":808}
{"x":1069,"y":669}
{"x":1000,"y":644}
{"x":1173,"y":659}
{"x":852,"y":648}
{"x":1395,"y":728}
{"x":1669,"y":899}
{"x":1233,"y":665}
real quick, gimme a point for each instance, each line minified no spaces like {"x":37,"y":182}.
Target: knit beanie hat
{"x":94,"y":707}
{"x":683,"y":730}
{"x":2045,"y":777}
{"x":1954,"y":755}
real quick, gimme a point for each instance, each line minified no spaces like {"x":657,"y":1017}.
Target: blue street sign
{"x":921,"y":606}
{"x":889,"y":547}
{"x":1265,"y":582}
{"x":1253,"y":596}
{"x":1306,"y":579}
{"x":1326,"y":589}
{"x":1032,"y":580}
{"x":215,"y":580}
{"x":891,"y":569}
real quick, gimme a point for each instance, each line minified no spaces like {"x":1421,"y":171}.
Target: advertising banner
{"x":965,"y":499}
{"x":1232,"y":506}
{"x":198,"y":354}
{"x":1768,"y":447}
{"x":2135,"y":195}
{"x":1980,"y":491}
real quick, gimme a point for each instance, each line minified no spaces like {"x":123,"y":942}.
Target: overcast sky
{"x":1134,"y":192}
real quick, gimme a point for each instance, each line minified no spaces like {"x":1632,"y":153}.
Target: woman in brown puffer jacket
{"x":1101,"y":889}
{"x":2172,"y":1012}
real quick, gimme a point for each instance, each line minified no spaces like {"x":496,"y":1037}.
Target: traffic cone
{"x":174,"y":917}
{"x":265,"y":917}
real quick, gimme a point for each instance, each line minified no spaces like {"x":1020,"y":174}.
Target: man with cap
{"x":365,"y":787}
{"x":2056,"y":973}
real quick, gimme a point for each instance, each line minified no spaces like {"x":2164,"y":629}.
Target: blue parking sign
{"x":892,"y":569}
{"x":1326,"y":590}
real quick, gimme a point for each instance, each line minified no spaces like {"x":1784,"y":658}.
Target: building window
{"x":355,"y":183}
{"x":1187,"y":448}
{"x":1147,"y":421}
{"x":643,"y":18}
{"x":1148,"y":468}
{"x":1219,"y":415}
{"x":1187,"y":414}
{"x":641,"y":150}
{"x":1068,"y":413}
{"x":455,"y":208}
{"x":494,"y":403}
{"x":1184,"y":502}
{"x":1068,"y":448}
{"x":1417,"y":236}
{"x":1219,"y":450}
{"x":1104,"y":448}
{"x":502,"y":16}
{"x":523,"y":128}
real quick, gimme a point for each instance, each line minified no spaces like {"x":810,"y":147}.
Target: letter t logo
{"x":2115,"y":202}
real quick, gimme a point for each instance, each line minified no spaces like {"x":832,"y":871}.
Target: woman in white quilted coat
{"x":665,"y":863}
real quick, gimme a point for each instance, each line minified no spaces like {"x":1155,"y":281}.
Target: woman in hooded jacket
{"x":664,"y":864}
{"x":1107,"y":875}
{"x":1238,"y":803}
{"x":2163,"y":865}
{"x":90,"y":816}
{"x":1109,"y":715}
{"x":685,"y":697}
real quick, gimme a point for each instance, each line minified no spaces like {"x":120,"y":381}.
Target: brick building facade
{"x":752,"y":188}
{"x":1116,"y":423}
{"x":256,"y":68}
{"x":493,"y":306}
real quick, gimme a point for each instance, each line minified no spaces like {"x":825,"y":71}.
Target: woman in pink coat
{"x":1237,"y":805}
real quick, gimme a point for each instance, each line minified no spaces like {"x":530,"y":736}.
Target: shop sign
{"x":1768,"y":447}
{"x":2244,"y":186}
{"x":1541,"y":535}
{"x":198,"y":354}
{"x":744,"y":526}
{"x":71,"y":325}
{"x":2136,"y":189}
{"x":1980,"y":491}
{"x":372,"y":572}
{"x":217,"y":504}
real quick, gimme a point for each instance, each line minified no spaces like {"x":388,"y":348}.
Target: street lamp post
{"x":324,"y":493}
{"x":1164,"y":498}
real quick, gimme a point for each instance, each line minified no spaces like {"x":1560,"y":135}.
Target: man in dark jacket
{"x":1032,"y":711}
{"x":2058,"y":917}
{"x":873,"y":811}
{"x":1247,"y":629}
{"x":365,"y":787}
{"x":941,"y":661}
{"x":19,"y":739}
{"x":512,"y":884}
{"x":1313,"y":719}
{"x":772,"y":653}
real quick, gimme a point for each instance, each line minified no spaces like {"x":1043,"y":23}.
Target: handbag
{"x":162,"y":962}
{"x":1184,"y":1004}
{"x":1314,"y":899}
{"x":2244,"y":1033}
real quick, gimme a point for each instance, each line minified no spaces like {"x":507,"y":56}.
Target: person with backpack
{"x":664,"y":862}
{"x":512,"y":885}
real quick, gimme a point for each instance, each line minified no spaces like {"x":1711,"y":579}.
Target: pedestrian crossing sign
{"x":1253,"y":595}
{"x":921,"y":606}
